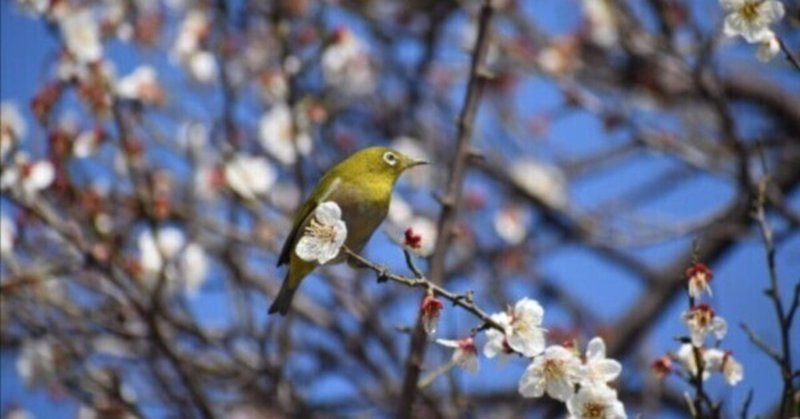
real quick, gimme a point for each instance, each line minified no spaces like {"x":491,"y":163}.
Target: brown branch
{"x":450,"y":202}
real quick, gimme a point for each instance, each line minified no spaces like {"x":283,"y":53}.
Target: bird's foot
{"x":382,"y":273}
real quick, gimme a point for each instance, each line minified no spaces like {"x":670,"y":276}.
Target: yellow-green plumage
{"x":362,"y":187}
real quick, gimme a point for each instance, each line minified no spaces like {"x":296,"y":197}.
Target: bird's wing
{"x":327,"y":186}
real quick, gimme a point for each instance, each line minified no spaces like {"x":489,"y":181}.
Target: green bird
{"x":361,"y":186}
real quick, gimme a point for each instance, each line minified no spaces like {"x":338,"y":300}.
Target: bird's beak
{"x":419,"y":163}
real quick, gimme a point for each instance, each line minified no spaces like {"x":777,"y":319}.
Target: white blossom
{"x":280,"y":137}
{"x":524,"y":333}
{"x":425,"y":228}
{"x":82,"y":36}
{"x":599,"y":370}
{"x":8,"y":233}
{"x":141,"y":84}
{"x":720,"y":361}
{"x":545,"y":182}
{"x":596,"y":402}
{"x":702,"y":321}
{"x":346,"y":66}
{"x":496,"y":341}
{"x":183,"y":263}
{"x":29,"y":177}
{"x":768,"y":48}
{"x":85,"y":144}
{"x":556,"y":372}
{"x":36,"y":362}
{"x":13,"y":128}
{"x":687,"y":358}
{"x":249,"y":176}
{"x":602,"y":22}
{"x":193,"y":265}
{"x":511,"y":224}
{"x":194,"y":26}
{"x":324,"y":235}
{"x":465,"y":354}
{"x":751,"y":18}
{"x":202,"y":66}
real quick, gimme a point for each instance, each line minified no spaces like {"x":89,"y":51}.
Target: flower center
{"x":593,"y":410}
{"x":553,"y":369}
{"x":321,"y":231}
{"x":749,"y":10}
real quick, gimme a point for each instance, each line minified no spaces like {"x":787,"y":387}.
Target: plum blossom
{"x":686,"y":357}
{"x":82,"y":36}
{"x":29,"y":176}
{"x":425,"y":229}
{"x":511,"y":224}
{"x":249,"y":176}
{"x":141,"y":84}
{"x":596,"y":402}
{"x":36,"y":362}
{"x":324,"y":235}
{"x":525,"y":334}
{"x":751,"y":18}
{"x":543,"y":181}
{"x":430,"y":310}
{"x":280,"y":136}
{"x":202,"y":67}
{"x":602,"y":23}
{"x":346,"y":65}
{"x":662,"y":366}
{"x":699,"y":277}
{"x":496,"y":341}
{"x":723,"y":362}
{"x":465,"y":354}
{"x":556,"y":372}
{"x":598,"y":370}
{"x":12,"y":128}
{"x":182,"y":262}
{"x":768,"y":48}
{"x":701,"y":321}
{"x":8,"y":233}
{"x":189,"y":51}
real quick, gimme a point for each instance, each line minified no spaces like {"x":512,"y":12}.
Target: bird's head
{"x":381,"y":162}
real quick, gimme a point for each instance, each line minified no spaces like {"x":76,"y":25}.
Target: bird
{"x":361,"y":186}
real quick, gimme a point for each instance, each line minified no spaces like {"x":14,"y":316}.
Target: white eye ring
{"x":390,"y":158}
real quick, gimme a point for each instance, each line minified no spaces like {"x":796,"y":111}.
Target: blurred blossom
{"x":208,"y":179}
{"x":13,"y":128}
{"x":142,"y":85}
{"x":723,"y":362}
{"x":273,"y":86}
{"x":8,"y":233}
{"x":346,"y":65}
{"x":158,"y":252}
{"x":194,"y":28}
{"x":768,"y":48}
{"x":399,"y":210}
{"x":602,"y":22}
{"x":82,"y":35}
{"x":699,"y":277}
{"x":28,"y":177}
{"x":662,"y":366}
{"x":465,"y":354}
{"x":285,"y":196}
{"x":559,"y":57}
{"x":545,"y":182}
{"x":202,"y":67}
{"x":597,"y":369}
{"x":425,"y":228}
{"x":511,"y":224}
{"x":751,"y":18}
{"x":702,"y":321}
{"x":280,"y":137}
{"x":249,"y":176}
{"x":36,"y":362}
{"x":430,"y":310}
{"x":596,"y":402}
{"x":86,"y":143}
{"x":324,"y":235}
{"x":556,"y":372}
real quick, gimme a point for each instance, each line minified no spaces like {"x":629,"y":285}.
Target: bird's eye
{"x":390,"y":158}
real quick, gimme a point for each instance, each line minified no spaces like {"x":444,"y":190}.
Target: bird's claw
{"x":382,"y":273}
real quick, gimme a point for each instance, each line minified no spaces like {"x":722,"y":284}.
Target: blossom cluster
{"x":751,"y":19}
{"x":695,"y":356}
{"x":560,"y":371}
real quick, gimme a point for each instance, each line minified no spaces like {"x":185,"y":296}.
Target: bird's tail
{"x":284,"y":299}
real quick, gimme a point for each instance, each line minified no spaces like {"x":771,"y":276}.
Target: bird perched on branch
{"x":346,"y":207}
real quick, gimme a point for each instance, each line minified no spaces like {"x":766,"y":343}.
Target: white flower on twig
{"x":751,"y":18}
{"x":699,"y":278}
{"x":768,"y":48}
{"x":346,"y":65}
{"x":29,"y":177}
{"x":596,"y":402}
{"x":556,"y":372}
{"x":722,"y":361}
{"x":141,"y":84}
{"x":36,"y":362}
{"x":182,"y":263}
{"x":599,"y":370}
{"x":465,"y":354}
{"x":543,"y":181}
{"x":324,"y":235}
{"x":496,"y":341}
{"x":525,"y":334}
{"x":12,"y":128}
{"x":702,"y":321}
